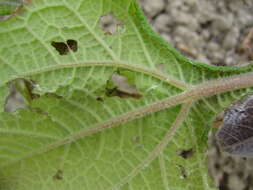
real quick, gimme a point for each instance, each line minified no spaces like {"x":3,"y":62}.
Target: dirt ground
{"x":218,"y":32}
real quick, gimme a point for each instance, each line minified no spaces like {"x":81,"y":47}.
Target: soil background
{"x":218,"y":32}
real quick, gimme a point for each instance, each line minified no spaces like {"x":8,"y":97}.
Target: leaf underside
{"x":74,"y":135}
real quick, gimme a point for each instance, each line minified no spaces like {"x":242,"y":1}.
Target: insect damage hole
{"x":64,"y":48}
{"x":21,"y":94}
{"x":10,"y":9}
{"x":110,"y":24}
{"x":58,"y":175}
{"x":182,"y":171}
{"x":120,"y":86}
{"x":186,"y":153}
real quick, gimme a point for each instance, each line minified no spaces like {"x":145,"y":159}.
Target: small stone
{"x":244,"y":18}
{"x":212,"y":47}
{"x":231,"y":39}
{"x":230,"y":58}
{"x":153,"y":7}
{"x":203,"y":59}
{"x":234,"y":183}
{"x":222,"y":23}
{"x":162,"y":22}
{"x":166,"y":37}
{"x":205,"y":34}
{"x":184,"y":19}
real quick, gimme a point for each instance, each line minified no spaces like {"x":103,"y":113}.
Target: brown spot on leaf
{"x":64,"y":48}
{"x":58,"y":175}
{"x":186,"y":153}
{"x":110,"y":24}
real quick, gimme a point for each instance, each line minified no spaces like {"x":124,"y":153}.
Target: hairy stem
{"x":195,"y":93}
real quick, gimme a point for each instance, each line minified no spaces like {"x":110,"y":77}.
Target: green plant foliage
{"x":8,"y":7}
{"x":5,"y":10}
{"x":73,"y":135}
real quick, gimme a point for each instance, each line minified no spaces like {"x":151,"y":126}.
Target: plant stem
{"x":197,"y":92}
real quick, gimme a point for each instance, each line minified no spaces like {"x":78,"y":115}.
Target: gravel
{"x":210,"y":31}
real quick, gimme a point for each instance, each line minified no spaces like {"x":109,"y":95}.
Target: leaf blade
{"x":69,"y":86}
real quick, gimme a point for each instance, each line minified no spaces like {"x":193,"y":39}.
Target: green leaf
{"x":5,"y":10}
{"x":75,"y":136}
{"x":9,"y":8}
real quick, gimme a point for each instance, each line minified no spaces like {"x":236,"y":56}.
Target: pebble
{"x":204,"y":23}
{"x":222,"y":23}
{"x":162,"y":22}
{"x":153,"y":7}
{"x":235,"y":184}
{"x":231,"y":38}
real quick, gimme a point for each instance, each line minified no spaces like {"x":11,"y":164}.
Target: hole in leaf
{"x":120,"y":86}
{"x":183,"y":173}
{"x":72,"y":44}
{"x":21,"y":94}
{"x":10,"y":8}
{"x":58,"y":175}
{"x":186,"y":153}
{"x":110,"y":24}
{"x":64,"y":48}
{"x":61,"y":47}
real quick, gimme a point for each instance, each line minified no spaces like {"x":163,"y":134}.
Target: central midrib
{"x":195,"y":93}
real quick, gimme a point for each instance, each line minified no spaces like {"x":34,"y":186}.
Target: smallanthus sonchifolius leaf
{"x":76,"y":136}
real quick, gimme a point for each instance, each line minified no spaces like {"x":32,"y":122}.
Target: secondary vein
{"x":167,"y":79}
